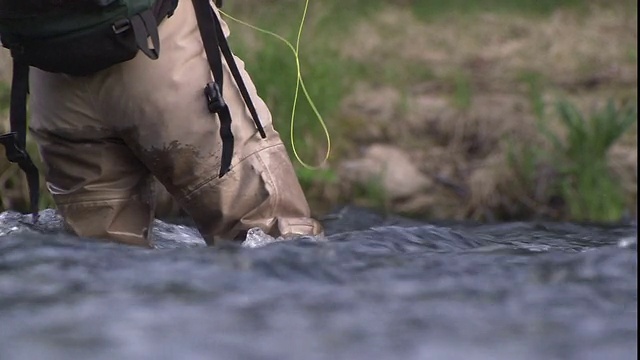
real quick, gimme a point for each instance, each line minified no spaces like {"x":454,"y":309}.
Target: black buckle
{"x":14,"y":151}
{"x":215,"y":102}
{"x":121,"y":26}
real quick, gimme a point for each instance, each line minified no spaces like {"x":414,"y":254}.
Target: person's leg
{"x":163,"y":116}
{"x":99,"y":186}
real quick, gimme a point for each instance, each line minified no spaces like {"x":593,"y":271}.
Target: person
{"x":103,"y":137}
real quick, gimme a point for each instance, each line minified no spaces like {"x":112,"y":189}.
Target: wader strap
{"x":213,"y":91}
{"x":228,"y":55}
{"x":15,"y":141}
{"x":215,"y":42}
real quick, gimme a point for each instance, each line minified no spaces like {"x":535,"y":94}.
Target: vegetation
{"x":581,"y":186}
{"x":468,"y":88}
{"x":584,"y":180}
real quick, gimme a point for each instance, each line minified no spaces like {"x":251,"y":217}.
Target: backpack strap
{"x":145,"y":26}
{"x":215,"y":43}
{"x":15,"y":141}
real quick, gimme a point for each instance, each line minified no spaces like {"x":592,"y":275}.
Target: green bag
{"x":80,"y":37}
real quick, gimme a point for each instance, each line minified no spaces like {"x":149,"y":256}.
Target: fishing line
{"x":299,"y":85}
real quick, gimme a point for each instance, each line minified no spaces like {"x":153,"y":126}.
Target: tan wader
{"x":102,"y":136}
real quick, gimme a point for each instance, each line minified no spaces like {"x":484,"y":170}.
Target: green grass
{"x":463,"y":91}
{"x":372,"y":194}
{"x":581,"y":179}
{"x":327,"y":75}
{"x":324,"y":79}
{"x":586,"y":184}
{"x":535,"y":85}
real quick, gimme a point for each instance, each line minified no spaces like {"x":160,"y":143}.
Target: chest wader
{"x":124,"y":29}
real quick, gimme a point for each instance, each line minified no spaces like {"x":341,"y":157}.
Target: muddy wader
{"x":102,"y":137}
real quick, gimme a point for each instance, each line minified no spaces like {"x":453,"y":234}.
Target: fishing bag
{"x":81,"y":37}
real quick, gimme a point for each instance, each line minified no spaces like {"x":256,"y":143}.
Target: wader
{"x":102,"y":138}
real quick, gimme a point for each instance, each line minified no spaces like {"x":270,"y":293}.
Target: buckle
{"x":215,"y":102}
{"x":121,"y":26}
{"x":14,"y":151}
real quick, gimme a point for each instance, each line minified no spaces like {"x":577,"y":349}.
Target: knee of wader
{"x":261,"y":191}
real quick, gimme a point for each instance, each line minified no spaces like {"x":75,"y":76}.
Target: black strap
{"x":228,"y":55}
{"x":145,"y":26}
{"x":213,"y":92}
{"x":215,"y":42}
{"x":18,"y":110}
{"x":209,"y":35}
{"x":15,"y":141}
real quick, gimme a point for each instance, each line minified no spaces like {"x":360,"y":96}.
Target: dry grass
{"x":476,"y":100}
{"x":564,"y":47}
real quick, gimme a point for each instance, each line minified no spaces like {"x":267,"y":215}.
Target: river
{"x":377,"y":287}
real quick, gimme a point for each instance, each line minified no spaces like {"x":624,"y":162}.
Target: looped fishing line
{"x":299,"y":85}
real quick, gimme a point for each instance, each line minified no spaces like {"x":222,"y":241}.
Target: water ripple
{"x":375,"y":287}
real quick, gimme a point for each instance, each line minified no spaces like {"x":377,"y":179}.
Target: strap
{"x":213,"y":92}
{"x":228,"y":55}
{"x":210,"y":40}
{"x":18,"y":109}
{"x":227,"y":140}
{"x":215,"y":42}
{"x":145,"y":25}
{"x":15,"y":141}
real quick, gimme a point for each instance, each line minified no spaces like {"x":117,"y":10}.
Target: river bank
{"x":443,"y":114}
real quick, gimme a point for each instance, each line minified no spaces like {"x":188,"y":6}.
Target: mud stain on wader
{"x":180,"y":167}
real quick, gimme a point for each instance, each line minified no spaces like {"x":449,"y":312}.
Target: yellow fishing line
{"x":299,"y":85}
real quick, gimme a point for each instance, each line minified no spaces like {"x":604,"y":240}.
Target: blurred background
{"x":489,"y":110}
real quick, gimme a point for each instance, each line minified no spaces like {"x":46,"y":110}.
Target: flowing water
{"x":376,"y":288}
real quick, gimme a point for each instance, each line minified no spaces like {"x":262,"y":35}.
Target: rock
{"x":391,"y":167}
